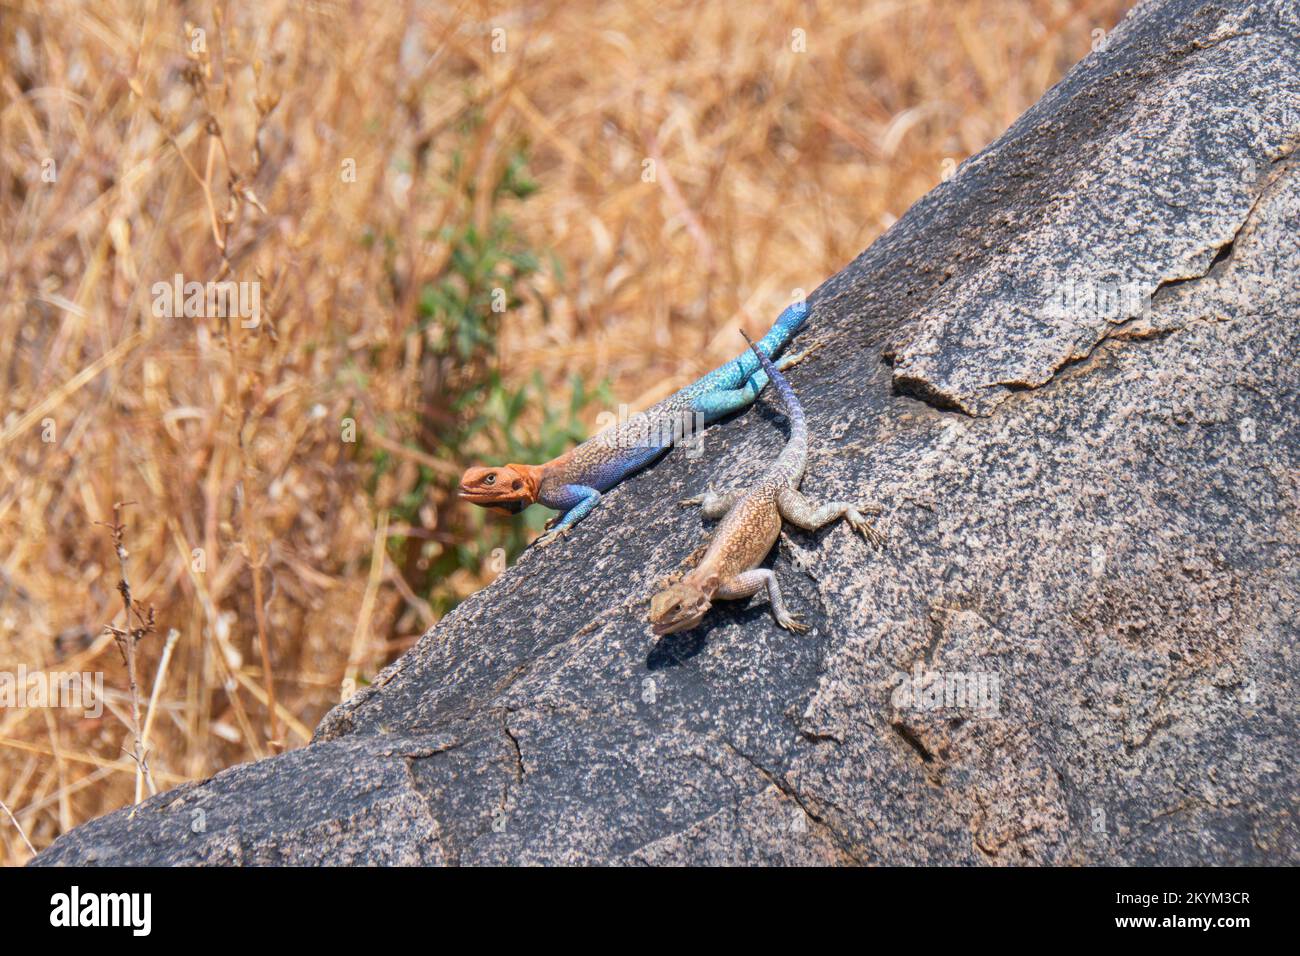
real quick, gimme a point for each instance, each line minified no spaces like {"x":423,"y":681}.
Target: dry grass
{"x":772,"y":169}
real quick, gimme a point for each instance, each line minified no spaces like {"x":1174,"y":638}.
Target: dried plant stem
{"x":128,"y":638}
{"x":255,"y":563}
{"x":17,"y":826}
{"x":264,"y":645}
{"x":172,"y":637}
{"x":128,"y":651}
{"x":377,"y":554}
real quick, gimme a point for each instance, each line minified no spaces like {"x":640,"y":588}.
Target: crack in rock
{"x":1153,"y":201}
{"x":793,"y":794}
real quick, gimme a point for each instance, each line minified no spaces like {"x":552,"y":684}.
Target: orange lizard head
{"x":509,"y":488}
{"x":681,"y":606}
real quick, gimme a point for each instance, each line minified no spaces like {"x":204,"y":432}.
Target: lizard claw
{"x":791,"y":623}
{"x":791,"y":359}
{"x":865,"y":528}
{"x":688,"y":502}
{"x":550,"y":537}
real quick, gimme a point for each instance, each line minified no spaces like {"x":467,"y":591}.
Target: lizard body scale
{"x":574,"y":482}
{"x":751,"y":522}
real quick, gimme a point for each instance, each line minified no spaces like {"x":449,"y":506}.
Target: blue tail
{"x":744,"y":371}
{"x":789,"y":465}
{"x":789,"y":401}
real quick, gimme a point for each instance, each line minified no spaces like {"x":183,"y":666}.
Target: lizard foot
{"x":791,"y":623}
{"x":690,"y":502}
{"x":794,"y":358}
{"x":865,"y":528}
{"x":548,"y":539}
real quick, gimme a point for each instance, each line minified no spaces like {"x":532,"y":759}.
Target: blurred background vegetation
{"x":476,"y":226}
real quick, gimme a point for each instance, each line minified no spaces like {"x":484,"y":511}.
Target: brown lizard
{"x":751,"y":522}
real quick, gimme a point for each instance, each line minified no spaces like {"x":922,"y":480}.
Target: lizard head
{"x":680,"y":606}
{"x":508,"y":488}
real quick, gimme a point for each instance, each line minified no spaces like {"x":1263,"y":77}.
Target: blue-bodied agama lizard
{"x":573,"y":482}
{"x":751,"y":523}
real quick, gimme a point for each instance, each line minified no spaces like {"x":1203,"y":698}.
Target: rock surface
{"x":1070,"y":374}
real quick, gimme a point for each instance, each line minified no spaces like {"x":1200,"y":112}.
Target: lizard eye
{"x":490,"y":480}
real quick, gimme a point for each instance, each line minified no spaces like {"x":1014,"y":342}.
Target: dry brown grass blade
{"x":361,"y":634}
{"x":18,"y":826}
{"x":121,"y":766}
{"x":159,"y":677}
{"x":50,"y":402}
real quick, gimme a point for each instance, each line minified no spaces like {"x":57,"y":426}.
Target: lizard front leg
{"x":714,"y":505}
{"x":798,"y":510}
{"x":748,"y":583}
{"x":590,"y":497}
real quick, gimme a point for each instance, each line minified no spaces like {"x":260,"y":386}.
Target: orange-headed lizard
{"x":751,"y":523}
{"x":573,"y":483}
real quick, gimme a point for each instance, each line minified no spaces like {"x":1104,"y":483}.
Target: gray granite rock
{"x":1070,"y":374}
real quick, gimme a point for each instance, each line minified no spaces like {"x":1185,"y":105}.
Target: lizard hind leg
{"x":736,"y":398}
{"x":757,"y":379}
{"x":791,"y":359}
{"x":798,"y":510}
{"x":720,"y":403}
{"x":723,"y":401}
{"x":749,"y":583}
